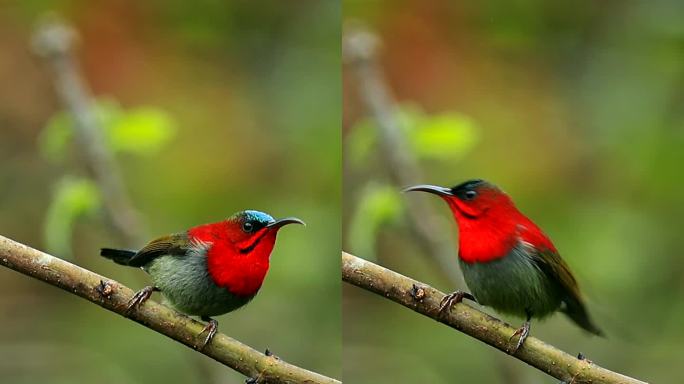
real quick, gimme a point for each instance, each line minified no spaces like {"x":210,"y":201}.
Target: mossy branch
{"x":114,"y":296}
{"x":425,"y":300}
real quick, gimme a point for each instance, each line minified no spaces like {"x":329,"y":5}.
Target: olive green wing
{"x":176,"y":244}
{"x":557,"y":270}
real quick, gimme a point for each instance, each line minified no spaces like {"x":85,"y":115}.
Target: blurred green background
{"x":576,"y":110}
{"x":211,"y":107}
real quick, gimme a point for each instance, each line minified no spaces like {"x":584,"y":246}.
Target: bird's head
{"x":239,"y":249}
{"x":471,"y":200}
{"x":489,"y":223}
{"x":254,"y":230}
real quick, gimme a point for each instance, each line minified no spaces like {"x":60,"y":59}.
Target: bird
{"x":209,"y":269}
{"x":507,"y":261}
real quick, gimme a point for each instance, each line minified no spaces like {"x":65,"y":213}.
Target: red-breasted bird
{"x":508,"y":263}
{"x":210,"y":269}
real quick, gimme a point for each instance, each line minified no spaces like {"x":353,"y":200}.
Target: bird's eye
{"x":469,"y":195}
{"x":247,"y":227}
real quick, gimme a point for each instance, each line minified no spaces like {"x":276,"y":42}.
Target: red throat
{"x":494,"y":233}
{"x":239,"y":266}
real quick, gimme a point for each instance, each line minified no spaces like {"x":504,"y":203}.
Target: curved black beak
{"x":441,"y":191}
{"x":285,"y":221}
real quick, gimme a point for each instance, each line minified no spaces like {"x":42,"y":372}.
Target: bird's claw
{"x":453,"y":298}
{"x":523,"y":332}
{"x":211,"y":328}
{"x":139,"y":298}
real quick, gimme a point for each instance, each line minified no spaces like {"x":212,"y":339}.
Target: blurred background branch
{"x":262,"y":368}
{"x":425,"y":300}
{"x":54,"y":40}
{"x":359,"y":50}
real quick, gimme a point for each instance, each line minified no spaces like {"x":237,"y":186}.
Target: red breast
{"x":489,"y":224}
{"x":235,"y":261}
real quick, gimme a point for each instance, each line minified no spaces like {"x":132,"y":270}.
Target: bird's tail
{"x":119,"y":256}
{"x":578,"y":313}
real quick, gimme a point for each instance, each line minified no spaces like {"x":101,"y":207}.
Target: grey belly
{"x":512,"y":285}
{"x":185,"y":283}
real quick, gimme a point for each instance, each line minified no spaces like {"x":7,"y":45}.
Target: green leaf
{"x":55,"y":137}
{"x":443,"y":136}
{"x":379,"y":205}
{"x":449,"y":135}
{"x":142,"y":130}
{"x":73,"y":198}
{"x":360,"y":142}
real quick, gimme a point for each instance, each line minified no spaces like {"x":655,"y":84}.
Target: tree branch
{"x":114,"y":296}
{"x":425,"y":300}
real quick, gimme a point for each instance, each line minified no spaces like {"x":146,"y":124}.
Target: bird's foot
{"x":211,"y":328}
{"x":140,"y":297}
{"x":523,"y":332}
{"x":453,"y":298}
